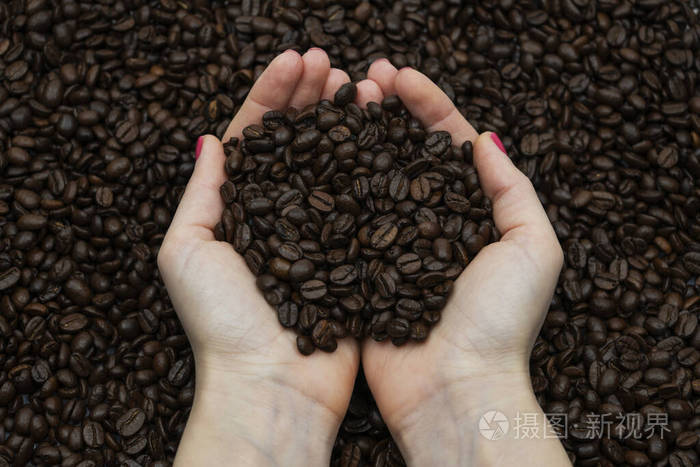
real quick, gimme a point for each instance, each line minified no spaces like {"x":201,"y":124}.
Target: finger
{"x":201,"y":205}
{"x":517,"y":211}
{"x":336,"y":78}
{"x":425,"y":101}
{"x":384,"y":74}
{"x":272,"y":91}
{"x":368,"y":91}
{"x":309,"y":88}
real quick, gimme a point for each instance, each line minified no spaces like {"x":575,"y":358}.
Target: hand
{"x":432,"y":394}
{"x":256,"y":397}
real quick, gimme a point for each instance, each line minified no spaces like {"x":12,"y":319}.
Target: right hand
{"x":432,"y":394}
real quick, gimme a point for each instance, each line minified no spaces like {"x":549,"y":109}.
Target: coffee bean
{"x":409,"y":263}
{"x":93,"y":434}
{"x":398,"y":327}
{"x":691,"y":261}
{"x":398,"y":187}
{"x":9,"y":278}
{"x":345,"y":94}
{"x":130,"y":422}
{"x":290,"y":251}
{"x":306,"y":140}
{"x":456,"y":202}
{"x":420,"y":189}
{"x":430,"y":279}
{"x":288,"y":314}
{"x":321,"y":201}
{"x":409,"y":309}
{"x":610,"y":109}
{"x":73,"y":323}
{"x":442,"y":249}
{"x":343,"y":275}
{"x":384,"y":236}
{"x":32,"y":222}
{"x":322,"y":336}
{"x":126,"y":132}
{"x":313,"y":289}
{"x":385,"y":285}
{"x":305,"y":345}
{"x":301,"y":270}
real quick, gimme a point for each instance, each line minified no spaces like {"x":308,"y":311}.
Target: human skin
{"x":259,"y":402}
{"x":432,"y":395}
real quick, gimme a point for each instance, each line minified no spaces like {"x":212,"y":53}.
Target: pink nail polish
{"x":497,"y":141}
{"x":200,"y":140}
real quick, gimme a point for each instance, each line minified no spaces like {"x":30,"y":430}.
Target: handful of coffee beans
{"x":355,"y":221}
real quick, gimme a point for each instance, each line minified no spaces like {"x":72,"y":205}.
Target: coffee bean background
{"x":356,"y":222}
{"x":100,"y":105}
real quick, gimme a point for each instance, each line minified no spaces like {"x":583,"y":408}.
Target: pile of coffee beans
{"x":355,"y":221}
{"x":363,"y":438}
{"x":597,"y":101}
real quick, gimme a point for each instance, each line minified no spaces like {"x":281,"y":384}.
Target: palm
{"x":477,"y":330}
{"x":242,"y":329}
{"x":222,"y":311}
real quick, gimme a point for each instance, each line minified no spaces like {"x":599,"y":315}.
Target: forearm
{"x":452,"y":435}
{"x":251,"y":422}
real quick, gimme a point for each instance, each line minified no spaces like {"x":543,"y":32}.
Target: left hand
{"x":257,"y":398}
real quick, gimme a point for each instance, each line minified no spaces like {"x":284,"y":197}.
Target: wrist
{"x":446,"y":429}
{"x":252,"y":418}
{"x":451,"y":414}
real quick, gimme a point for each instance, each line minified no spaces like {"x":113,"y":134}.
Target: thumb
{"x":201,"y":205}
{"x":517,"y":211}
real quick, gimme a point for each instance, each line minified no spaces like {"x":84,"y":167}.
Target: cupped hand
{"x":476,"y":357}
{"x":251,"y":381}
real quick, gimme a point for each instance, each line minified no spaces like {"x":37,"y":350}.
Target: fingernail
{"x":200,"y":140}
{"x":405,"y":68}
{"x":316,"y":48}
{"x":497,"y":141}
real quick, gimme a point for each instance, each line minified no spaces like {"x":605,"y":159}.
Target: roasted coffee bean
{"x":409,"y":263}
{"x":409,"y":309}
{"x":93,"y":434}
{"x":595,"y":102}
{"x":301,"y":270}
{"x":398,"y":187}
{"x":9,"y":278}
{"x":313,"y":289}
{"x":322,"y":335}
{"x":73,"y":323}
{"x":305,"y":345}
{"x":420,"y":189}
{"x":290,"y":251}
{"x":343,"y":275}
{"x":398,"y":327}
{"x":456,"y":202}
{"x":130,"y":422}
{"x":321,"y":201}
{"x":384,"y":236}
{"x":339,"y":233}
{"x":288,"y":314}
{"x":345,"y":94}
